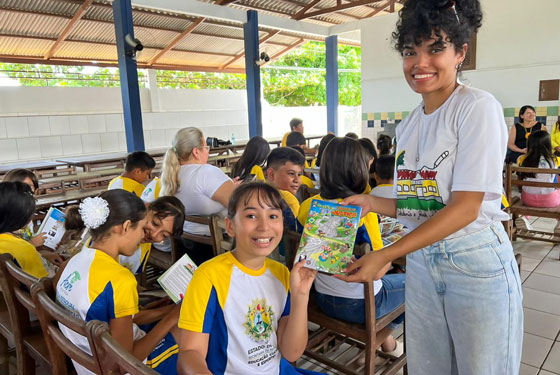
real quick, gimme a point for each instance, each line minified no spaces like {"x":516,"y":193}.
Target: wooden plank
{"x":334,"y":9}
{"x":68,"y":29}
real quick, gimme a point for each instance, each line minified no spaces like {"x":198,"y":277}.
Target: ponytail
{"x":184,"y":141}
{"x":169,"y":175}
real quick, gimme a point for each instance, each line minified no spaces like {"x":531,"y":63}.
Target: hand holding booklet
{"x":53,"y":227}
{"x":328,"y":237}
{"x":176,"y":279}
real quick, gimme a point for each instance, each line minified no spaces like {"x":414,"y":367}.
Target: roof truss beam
{"x":242,"y":54}
{"x":68,"y":29}
{"x":176,"y":41}
{"x":284,"y":51}
{"x":382,"y":7}
{"x":336,"y":8}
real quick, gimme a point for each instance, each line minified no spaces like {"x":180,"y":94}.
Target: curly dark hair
{"x":418,"y":19}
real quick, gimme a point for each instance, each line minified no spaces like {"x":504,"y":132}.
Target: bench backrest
{"x":50,"y":315}
{"x":115,"y":359}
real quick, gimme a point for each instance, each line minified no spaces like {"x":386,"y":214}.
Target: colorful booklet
{"x":53,"y":227}
{"x":328,"y":237}
{"x":176,"y":279}
{"x":391,"y":231}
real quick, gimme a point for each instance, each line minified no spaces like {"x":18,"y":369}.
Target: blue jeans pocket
{"x":481,"y":262}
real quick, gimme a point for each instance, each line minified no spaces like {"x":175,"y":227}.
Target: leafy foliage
{"x":296,"y":79}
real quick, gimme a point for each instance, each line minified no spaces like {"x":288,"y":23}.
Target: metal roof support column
{"x":124,"y":30}
{"x":332,"y":83}
{"x":253,"y":73}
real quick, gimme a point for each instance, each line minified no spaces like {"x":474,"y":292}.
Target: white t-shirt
{"x":383,"y":191}
{"x":198,"y":183}
{"x":459,"y":147}
{"x":541,"y":177}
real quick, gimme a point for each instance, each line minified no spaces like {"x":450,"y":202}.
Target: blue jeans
{"x":464,"y":310}
{"x":353,"y":310}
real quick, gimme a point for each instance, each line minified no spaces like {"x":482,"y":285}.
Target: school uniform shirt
{"x":127,"y":184}
{"x":368,"y":231}
{"x":94,"y":286}
{"x":239,"y":308}
{"x":135,"y":263}
{"x":198,"y":183}
{"x":258,"y":173}
{"x":383,"y":191}
{"x":307,"y":182}
{"x":284,"y":139}
{"x":25,"y":254}
{"x":291,"y":211}
{"x":151,"y":191}
{"x":459,"y":147}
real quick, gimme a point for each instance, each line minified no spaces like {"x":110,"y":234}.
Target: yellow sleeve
{"x":25,"y":255}
{"x":520,"y":159}
{"x":125,"y":296}
{"x":555,"y":137}
{"x":557,"y":161}
{"x":284,"y":139}
{"x":291,"y":201}
{"x":307,"y":182}
{"x":304,"y":210}
{"x":258,"y":172}
{"x":138,"y":189}
{"x":158,"y":188}
{"x":199,"y":304}
{"x":368,"y":189}
{"x":372,"y":228}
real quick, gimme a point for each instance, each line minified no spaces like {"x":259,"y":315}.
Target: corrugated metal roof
{"x":31,"y":27}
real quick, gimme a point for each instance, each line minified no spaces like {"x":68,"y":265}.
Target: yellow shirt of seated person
{"x":127,"y":184}
{"x":25,"y":254}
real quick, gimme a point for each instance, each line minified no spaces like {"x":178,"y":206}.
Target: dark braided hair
{"x":418,"y":19}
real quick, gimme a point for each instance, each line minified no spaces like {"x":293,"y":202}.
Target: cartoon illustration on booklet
{"x":328,"y":237}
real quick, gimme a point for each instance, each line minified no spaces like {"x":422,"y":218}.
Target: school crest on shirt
{"x":258,"y":320}
{"x":417,"y":190}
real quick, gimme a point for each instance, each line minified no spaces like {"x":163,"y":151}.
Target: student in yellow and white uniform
{"x":164,"y":220}
{"x":139,"y":165}
{"x":151,"y":191}
{"x":17,"y":206}
{"x":345,"y":172}
{"x":244,"y":313}
{"x":93,"y":285}
{"x":248,"y":167}
{"x":284,"y":171}
{"x":296,"y":125}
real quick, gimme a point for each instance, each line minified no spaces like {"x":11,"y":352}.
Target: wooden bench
{"x":517,"y":208}
{"x":28,"y":337}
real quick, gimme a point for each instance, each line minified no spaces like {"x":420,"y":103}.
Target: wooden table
{"x":32,"y":166}
{"x":89,"y":162}
{"x":68,"y":197}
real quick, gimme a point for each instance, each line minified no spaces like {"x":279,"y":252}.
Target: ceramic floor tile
{"x":544,"y":372}
{"x":524,"y":275}
{"x":541,"y":301}
{"x":532,"y":249}
{"x":543,"y":282}
{"x":554,"y":254}
{"x":549,"y":267}
{"x":528,"y":370}
{"x":535,"y":350}
{"x":541,"y":324}
{"x":552,"y":362}
{"x":529,"y":264}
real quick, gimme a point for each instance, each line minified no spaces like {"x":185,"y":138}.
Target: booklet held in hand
{"x":328,"y":237}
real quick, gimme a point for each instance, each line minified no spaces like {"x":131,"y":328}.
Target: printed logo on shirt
{"x":258,"y":320}
{"x":146,"y":192}
{"x":417,"y":190}
{"x":69,"y":282}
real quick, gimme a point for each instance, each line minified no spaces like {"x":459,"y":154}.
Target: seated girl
{"x":539,"y":155}
{"x":17,"y":206}
{"x":249,"y":166}
{"x":93,"y":285}
{"x":345,"y":172}
{"x":203,"y":188}
{"x":244,"y":313}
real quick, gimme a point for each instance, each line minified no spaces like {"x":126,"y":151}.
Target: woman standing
{"x":520,"y":132}
{"x":463,"y":299}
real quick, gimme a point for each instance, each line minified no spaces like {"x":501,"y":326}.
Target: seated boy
{"x":304,"y":179}
{"x":384,"y":174}
{"x":296,"y":125}
{"x":244,"y":313}
{"x":284,"y":171}
{"x":139,"y":165}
